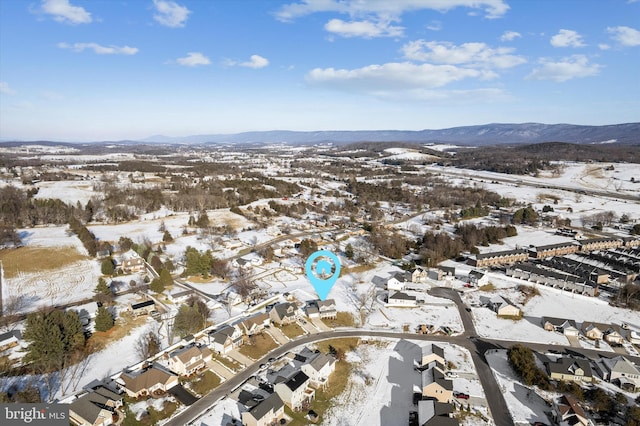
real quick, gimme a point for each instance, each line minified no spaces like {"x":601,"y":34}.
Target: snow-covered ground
{"x":525,"y":405}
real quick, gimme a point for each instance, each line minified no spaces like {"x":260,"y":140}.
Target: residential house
{"x":189,"y":360}
{"x":619,"y":371}
{"x":10,"y":339}
{"x":632,"y":336}
{"x":431,"y":412}
{"x":432,"y":353}
{"x":570,"y":369}
{"x":225,"y":339}
{"x":142,"y":308}
{"x":131,"y":262}
{"x":327,"y":308}
{"x":419,"y":275}
{"x":147,"y":382}
{"x":478,"y":278}
{"x":319,"y":368}
{"x":295,"y":391}
{"x":266,"y":413}
{"x":502,"y":306}
{"x":401,"y":299}
{"x":610,"y":333}
{"x":255,"y":324}
{"x":181,"y":296}
{"x":567,"y":327}
{"x":398,"y":281}
{"x":496,"y":258}
{"x":95,"y":408}
{"x":434,"y":385}
{"x":284,"y":313}
{"x":567,"y":412}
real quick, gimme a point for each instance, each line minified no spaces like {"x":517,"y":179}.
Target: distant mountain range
{"x":487,"y":134}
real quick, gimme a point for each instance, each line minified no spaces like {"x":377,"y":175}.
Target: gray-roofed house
{"x":478,"y":278}
{"x":327,"y":308}
{"x":432,"y":353}
{"x":189,"y":360}
{"x":295,"y":391}
{"x":95,"y":408}
{"x":435,"y":413}
{"x":502,"y":306}
{"x":255,"y":324}
{"x":284,"y":313}
{"x":266,"y":413}
{"x":319,"y":368}
{"x":400,"y":298}
{"x":435,"y":385}
{"x":567,"y":327}
{"x":398,"y":280}
{"x":10,"y":339}
{"x":570,"y":369}
{"x":142,"y":308}
{"x":619,"y":371}
{"x":225,"y":339}
{"x":611,"y":333}
{"x":147,"y":382}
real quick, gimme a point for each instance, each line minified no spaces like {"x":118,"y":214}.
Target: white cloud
{"x":575,"y":66}
{"x":170,"y":14}
{"x":193,"y":59}
{"x":99,"y":49}
{"x":604,"y":46}
{"x":567,"y":38}
{"x":255,"y":62}
{"x":366,"y":29}
{"x":386,"y":9}
{"x":63,"y":11}
{"x":626,"y":36}
{"x":5,"y":89}
{"x":510,"y":35}
{"x":393,"y":76}
{"x":471,"y":54}
{"x":434,"y":26}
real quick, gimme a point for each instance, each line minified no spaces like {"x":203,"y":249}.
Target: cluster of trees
{"x":8,"y":235}
{"x":203,"y":263}
{"x":191,"y":317}
{"x":522,"y":360}
{"x":86,"y":237}
{"x":164,"y":280}
{"x":473,"y":236}
{"x":388,"y":243}
{"x":526,"y":215}
{"x":17,"y":209}
{"x":598,"y":220}
{"x":476,"y":211}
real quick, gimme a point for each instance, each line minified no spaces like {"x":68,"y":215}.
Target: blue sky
{"x":83,"y":70}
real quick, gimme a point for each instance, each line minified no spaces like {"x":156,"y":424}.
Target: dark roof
{"x":402,"y":276}
{"x":557,"y":245}
{"x":557,"y":322}
{"x":142,"y":304}
{"x":272,"y":402}
{"x":448,"y":269}
{"x":282,"y":308}
{"x":401,"y":296}
{"x":9,"y":334}
{"x":565,"y":365}
{"x":89,"y":405}
{"x":299,"y":379}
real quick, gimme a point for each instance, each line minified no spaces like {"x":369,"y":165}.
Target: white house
{"x":398,"y":281}
{"x":295,"y":391}
{"x":319,"y":369}
{"x":401,"y":299}
{"x":478,"y":278}
{"x":224,"y":340}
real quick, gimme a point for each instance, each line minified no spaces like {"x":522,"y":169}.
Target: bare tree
{"x":11,"y":309}
{"x":148,"y":345}
{"x":243,"y":283}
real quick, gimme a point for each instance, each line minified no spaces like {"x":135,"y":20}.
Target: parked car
{"x":451,"y":374}
{"x":461,"y":395}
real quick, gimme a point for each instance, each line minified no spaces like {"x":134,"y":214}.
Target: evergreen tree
{"x":156,"y":285}
{"x":167,"y":237}
{"x":348,"y":251}
{"x":107,"y":267}
{"x":51,"y":335}
{"x":104,"y":319}
{"x":102,"y":291}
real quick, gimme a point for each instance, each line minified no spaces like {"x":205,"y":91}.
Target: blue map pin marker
{"x":321,"y":278}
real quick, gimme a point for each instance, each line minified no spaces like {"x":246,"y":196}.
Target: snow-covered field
{"x":72,"y":282}
{"x":525,"y":405}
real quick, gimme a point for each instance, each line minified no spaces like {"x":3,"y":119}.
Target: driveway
{"x":308,"y":327}
{"x":220,"y":370}
{"x":183,"y":395}
{"x":320,"y":324}
{"x":277,"y":335}
{"x":573,"y":341}
{"x":242,"y":359}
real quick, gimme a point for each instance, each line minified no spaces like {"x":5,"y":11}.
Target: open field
{"x":262,"y":344}
{"x":37,"y":259}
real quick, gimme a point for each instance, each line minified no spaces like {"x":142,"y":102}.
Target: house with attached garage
{"x":567,"y":327}
{"x":502,"y":306}
{"x":189,"y":360}
{"x":432,"y":354}
{"x":10,"y":339}
{"x":131,"y":262}
{"x":318,"y":369}
{"x":225,"y":339}
{"x":478,"y":278}
{"x":327,"y":308}
{"x":255,"y":324}
{"x":570,"y":369}
{"x":419,"y":275}
{"x":295,"y":391}
{"x":436,"y":386}
{"x":568,"y":412}
{"x":619,"y":371}
{"x":610,"y":333}
{"x":401,"y":299}
{"x":266,"y":413}
{"x":146,"y":382}
{"x":95,"y":408}
{"x":284,"y":313}
{"x":435,"y":413}
{"x":399,"y":280}
{"x":142,"y":308}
